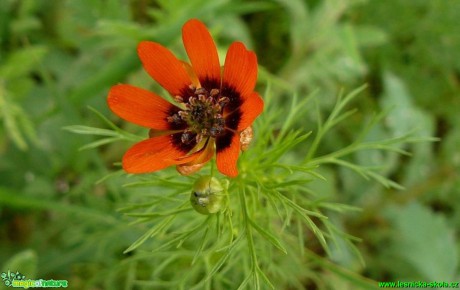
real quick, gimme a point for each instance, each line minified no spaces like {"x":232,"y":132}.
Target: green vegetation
{"x":352,"y":176}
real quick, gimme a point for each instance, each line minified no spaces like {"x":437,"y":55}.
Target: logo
{"x":9,"y":278}
{"x":18,"y":280}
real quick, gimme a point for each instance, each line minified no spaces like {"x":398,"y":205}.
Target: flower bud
{"x":208,"y":195}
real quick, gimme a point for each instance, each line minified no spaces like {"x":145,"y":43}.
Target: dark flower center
{"x":202,"y":114}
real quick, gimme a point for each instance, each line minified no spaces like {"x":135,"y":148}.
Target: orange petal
{"x":202,"y":158}
{"x":240,"y":69}
{"x":139,"y":106}
{"x":205,"y":154}
{"x":164,"y":67}
{"x":202,"y":51}
{"x":227,"y":158}
{"x":153,"y":154}
{"x":192,"y":74}
{"x":251,"y":108}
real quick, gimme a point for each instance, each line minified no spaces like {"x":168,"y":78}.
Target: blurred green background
{"x":57,"y":57}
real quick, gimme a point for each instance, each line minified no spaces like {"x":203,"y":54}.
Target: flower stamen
{"x":203,"y":114}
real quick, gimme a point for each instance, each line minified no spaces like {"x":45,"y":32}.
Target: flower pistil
{"x":202,"y":114}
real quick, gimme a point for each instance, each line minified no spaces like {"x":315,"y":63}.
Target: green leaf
{"x":268,"y":236}
{"x":110,"y":74}
{"x":423,"y":240}
{"x":224,"y":257}
{"x":150,"y":233}
{"x":99,"y":143}
{"x":22,"y":62}
{"x":357,"y":281}
{"x":25,"y":262}
{"x":17,"y":124}
{"x":159,"y":214}
{"x":367,"y":35}
{"x":202,"y":244}
{"x":406,"y":117}
{"x":16,"y":200}
{"x":86,"y":130}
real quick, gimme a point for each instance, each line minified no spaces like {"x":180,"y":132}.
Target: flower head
{"x":213,"y":108}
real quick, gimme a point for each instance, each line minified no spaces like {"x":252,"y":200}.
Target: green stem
{"x":315,"y":144}
{"x":250,"y":240}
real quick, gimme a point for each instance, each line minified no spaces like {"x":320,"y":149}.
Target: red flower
{"x":214,"y":107}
